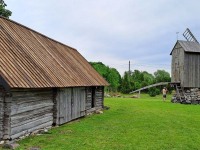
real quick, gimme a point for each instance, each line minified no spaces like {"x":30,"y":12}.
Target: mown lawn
{"x":129,"y":124}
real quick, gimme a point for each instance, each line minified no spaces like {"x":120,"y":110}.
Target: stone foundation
{"x":192,"y":96}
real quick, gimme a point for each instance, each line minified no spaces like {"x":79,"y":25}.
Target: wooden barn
{"x":185,"y":64}
{"x":42,"y":82}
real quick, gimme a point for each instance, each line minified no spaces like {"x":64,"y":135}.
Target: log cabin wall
{"x":99,"y":97}
{"x":30,"y":110}
{"x":88,"y":98}
{"x":1,"y":113}
{"x":94,"y":98}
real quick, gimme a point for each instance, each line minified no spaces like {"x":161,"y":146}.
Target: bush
{"x":154,"y":91}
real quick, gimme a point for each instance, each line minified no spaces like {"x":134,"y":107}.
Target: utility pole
{"x":129,"y":68}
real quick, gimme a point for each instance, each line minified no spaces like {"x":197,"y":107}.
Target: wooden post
{"x":138,"y":94}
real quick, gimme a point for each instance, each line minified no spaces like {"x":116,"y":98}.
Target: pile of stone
{"x":190,"y":96}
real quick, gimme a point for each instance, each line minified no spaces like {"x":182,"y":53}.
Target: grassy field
{"x":129,"y":124}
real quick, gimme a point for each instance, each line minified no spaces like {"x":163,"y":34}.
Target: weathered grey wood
{"x":97,"y":96}
{"x":185,"y":64}
{"x":56,"y":106}
{"x":33,"y":123}
{"x":41,"y":126}
{"x":72,"y":103}
{"x":30,"y":109}
{"x":41,"y":104}
{"x":65,"y":98}
{"x":192,"y":70}
{"x":1,"y":114}
{"x":83,"y":102}
{"x":24,"y":120}
{"x":149,"y":86}
{"x":88,"y":98}
{"x":7,"y":116}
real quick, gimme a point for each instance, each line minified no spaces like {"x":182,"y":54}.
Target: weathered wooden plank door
{"x":1,"y":115}
{"x":78,"y":102}
{"x":71,"y":104}
{"x":65,"y":105}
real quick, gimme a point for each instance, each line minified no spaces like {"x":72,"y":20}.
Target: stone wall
{"x":191,"y":96}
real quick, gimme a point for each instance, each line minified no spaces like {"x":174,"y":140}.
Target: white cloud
{"x":113,"y":32}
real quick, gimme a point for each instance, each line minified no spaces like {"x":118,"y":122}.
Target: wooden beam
{"x":149,"y":86}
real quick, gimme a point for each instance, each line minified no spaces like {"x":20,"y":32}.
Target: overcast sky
{"x":113,"y":31}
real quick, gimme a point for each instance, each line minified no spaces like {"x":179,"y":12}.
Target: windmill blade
{"x":189,"y":36}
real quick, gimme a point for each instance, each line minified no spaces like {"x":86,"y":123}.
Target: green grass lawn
{"x":129,"y":124}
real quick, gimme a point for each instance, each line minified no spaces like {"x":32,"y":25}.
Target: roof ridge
{"x":36,"y":32}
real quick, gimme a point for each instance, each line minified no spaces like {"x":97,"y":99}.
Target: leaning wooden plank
{"x":153,"y":85}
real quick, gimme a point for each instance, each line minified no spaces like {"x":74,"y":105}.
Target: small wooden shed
{"x":185,"y":66}
{"x":42,"y":82}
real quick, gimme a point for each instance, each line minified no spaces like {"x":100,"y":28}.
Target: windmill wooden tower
{"x":185,"y":68}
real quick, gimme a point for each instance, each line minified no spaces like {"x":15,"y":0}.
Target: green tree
{"x":162,"y":76}
{"x":100,"y":68}
{"x":3,"y":11}
{"x":148,"y":79}
{"x":111,"y":75}
{"x":127,"y":83}
{"x":114,"y":78}
{"x":137,"y":76}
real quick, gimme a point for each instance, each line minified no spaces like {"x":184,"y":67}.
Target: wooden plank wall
{"x":78,"y":102}
{"x":1,"y":114}
{"x":64,"y":108}
{"x":192,"y":70}
{"x":177,"y":65}
{"x":71,"y":104}
{"x":30,"y":110}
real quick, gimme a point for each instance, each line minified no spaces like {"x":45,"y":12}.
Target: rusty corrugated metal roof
{"x":29,"y":59}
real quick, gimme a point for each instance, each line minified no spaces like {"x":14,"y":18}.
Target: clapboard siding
{"x":30,"y":110}
{"x":192,"y":70}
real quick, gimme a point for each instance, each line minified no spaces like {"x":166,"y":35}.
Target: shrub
{"x":153,"y":91}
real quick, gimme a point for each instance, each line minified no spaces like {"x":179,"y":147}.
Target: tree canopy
{"x":111,"y":75}
{"x":3,"y":11}
{"x":132,"y":80}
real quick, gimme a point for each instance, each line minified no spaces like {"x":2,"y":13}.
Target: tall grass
{"x":129,"y":124}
